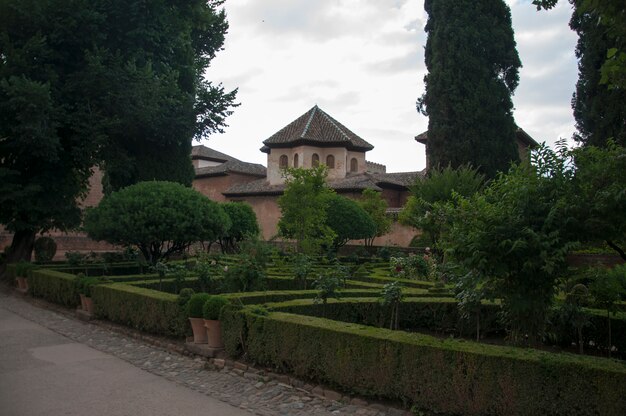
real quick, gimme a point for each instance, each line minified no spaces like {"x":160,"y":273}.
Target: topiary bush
{"x":213,"y":306}
{"x":195,"y":305}
{"x":159,"y":218}
{"x":45,"y":248}
{"x":185,"y":295}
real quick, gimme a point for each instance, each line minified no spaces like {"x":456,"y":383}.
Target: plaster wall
{"x":267,"y":213}
{"x":213,"y":186}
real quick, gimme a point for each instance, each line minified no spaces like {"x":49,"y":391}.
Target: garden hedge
{"x":54,"y":286}
{"x":143,"y":309}
{"x":449,"y":376}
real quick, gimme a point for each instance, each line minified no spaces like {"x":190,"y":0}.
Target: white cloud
{"x":362,"y":61}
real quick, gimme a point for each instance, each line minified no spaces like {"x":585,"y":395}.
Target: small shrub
{"x":384,"y":253}
{"x":212,"y":307}
{"x":411,"y":267}
{"x":84,"y":283}
{"x":195,"y":305}
{"x":185,"y":295}
{"x":74,"y":258}
{"x":23,"y":268}
{"x":45,"y":248}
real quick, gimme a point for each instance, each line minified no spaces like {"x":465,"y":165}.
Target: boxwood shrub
{"x":143,"y":309}
{"x":53,"y":286}
{"x":448,"y":376}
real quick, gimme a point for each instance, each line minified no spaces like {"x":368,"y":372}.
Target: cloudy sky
{"x":362,"y":61}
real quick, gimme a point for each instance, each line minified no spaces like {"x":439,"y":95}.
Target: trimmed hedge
{"x":416,"y":313}
{"x":53,"y":286}
{"x":143,"y":309}
{"x":449,"y":376}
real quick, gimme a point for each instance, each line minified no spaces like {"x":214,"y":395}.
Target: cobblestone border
{"x":260,"y":391}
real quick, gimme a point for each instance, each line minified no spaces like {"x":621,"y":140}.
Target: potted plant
{"x":84,"y":290}
{"x":194,"y":313}
{"x":211,"y":314}
{"x":22,"y":269}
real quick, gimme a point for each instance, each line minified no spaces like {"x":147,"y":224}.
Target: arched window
{"x":330,"y":161}
{"x":354,"y":165}
{"x":296,"y":161}
{"x":283,"y":162}
{"x":315,"y":160}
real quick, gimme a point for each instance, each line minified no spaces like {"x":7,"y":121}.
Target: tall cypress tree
{"x":599,"y":110}
{"x":472,"y":72}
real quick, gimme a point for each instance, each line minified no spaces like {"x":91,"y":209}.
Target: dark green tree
{"x":113,"y":82}
{"x":348,"y":220}
{"x":159,"y":218}
{"x":243,"y":225}
{"x":303,"y":207}
{"x":473,"y":68}
{"x":375,"y":205}
{"x":600,"y":111}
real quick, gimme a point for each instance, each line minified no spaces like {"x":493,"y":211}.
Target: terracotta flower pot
{"x":214,"y":332}
{"x":22,"y":283}
{"x":89,"y":305}
{"x":199,"y":331}
{"x":82,"y":302}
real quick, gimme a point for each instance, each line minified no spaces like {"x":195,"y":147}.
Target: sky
{"x":362,"y":61}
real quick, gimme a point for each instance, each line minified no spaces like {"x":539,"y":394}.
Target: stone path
{"x":236,"y":384}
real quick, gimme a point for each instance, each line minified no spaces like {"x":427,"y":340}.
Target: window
{"x":296,"y":161}
{"x":283,"y":162}
{"x":354,"y":165}
{"x":330,"y":161}
{"x":315,"y":160}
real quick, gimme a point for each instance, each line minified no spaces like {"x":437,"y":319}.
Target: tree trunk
{"x":608,"y":317}
{"x":21,"y":246}
{"x":617,"y":248}
{"x":580,"y":339}
{"x":478,"y":325}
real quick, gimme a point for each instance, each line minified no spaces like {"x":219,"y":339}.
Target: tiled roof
{"x":520,"y":135}
{"x":376,"y":181}
{"x":203,"y":152}
{"x":317,"y":128}
{"x":232,"y":166}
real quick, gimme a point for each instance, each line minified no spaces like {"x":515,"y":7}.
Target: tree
{"x":610,"y":17}
{"x":151,"y":68}
{"x":472,"y":73}
{"x":607,"y":289}
{"x":243,"y":225}
{"x":84,"y":82}
{"x":374,"y":204}
{"x":512,"y":240}
{"x":600,"y":111}
{"x":348,"y":220}
{"x":159,"y":218}
{"x":598,"y":195}
{"x":426,"y":208}
{"x":303,"y":205}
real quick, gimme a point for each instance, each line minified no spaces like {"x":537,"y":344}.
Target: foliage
{"x":248,"y":273}
{"x":184,"y":296}
{"x":132,"y":95}
{"x":348,"y":220}
{"x":207,"y":270}
{"x":303,"y":205}
{"x":391,"y":296}
{"x":302,"y":268}
{"x":327,"y":286}
{"x":142,"y":309}
{"x":376,"y":206}
{"x":243,"y":225}
{"x":599,"y":110}
{"x":607,"y":289}
{"x":424,"y":370}
{"x":472,"y":72}
{"x":410,"y":267}
{"x":469,"y":294}
{"x":196,"y":304}
{"x":514,"y":239}
{"x":53,"y":286}
{"x":431,"y":195}
{"x":159,"y":218}
{"x":213,"y":306}
{"x":571,"y":312}
{"x":599,"y":194}
{"x":45,"y":248}
{"x":23,"y":268}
